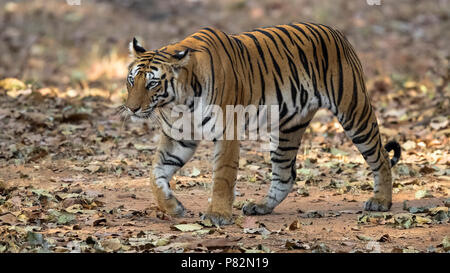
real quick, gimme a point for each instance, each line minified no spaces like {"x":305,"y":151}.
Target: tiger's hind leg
{"x":361,"y":127}
{"x":382,"y":199}
{"x":284,"y":172}
{"x":170,"y":157}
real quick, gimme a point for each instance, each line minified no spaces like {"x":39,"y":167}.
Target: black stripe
{"x":295,"y":128}
{"x":267,"y":34}
{"x":258,"y":47}
{"x":303,"y":96}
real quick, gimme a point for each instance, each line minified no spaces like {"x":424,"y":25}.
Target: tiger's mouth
{"x":125,"y":112}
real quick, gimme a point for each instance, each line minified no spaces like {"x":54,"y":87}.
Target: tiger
{"x":299,"y":67}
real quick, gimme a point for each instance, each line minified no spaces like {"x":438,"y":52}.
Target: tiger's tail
{"x":393,"y":145}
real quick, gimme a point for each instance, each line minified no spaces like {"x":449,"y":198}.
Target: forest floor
{"x":74,"y":176}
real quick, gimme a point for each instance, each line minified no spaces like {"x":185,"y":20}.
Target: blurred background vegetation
{"x":76,"y":50}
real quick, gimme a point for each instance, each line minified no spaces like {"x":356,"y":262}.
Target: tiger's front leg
{"x":283,"y":170}
{"x":170,"y":157}
{"x":226,"y":163}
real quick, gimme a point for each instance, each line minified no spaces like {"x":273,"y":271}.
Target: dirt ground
{"x":74,"y":176}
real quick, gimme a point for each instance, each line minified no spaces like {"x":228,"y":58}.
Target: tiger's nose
{"x":135,"y":109}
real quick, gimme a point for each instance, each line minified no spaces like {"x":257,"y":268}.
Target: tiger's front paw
{"x":256,"y":209}
{"x":377,"y":204}
{"x":218,"y":219}
{"x":173,"y":207}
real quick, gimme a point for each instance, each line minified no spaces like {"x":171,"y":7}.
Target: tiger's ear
{"x":180,"y":59}
{"x":136,"y":49}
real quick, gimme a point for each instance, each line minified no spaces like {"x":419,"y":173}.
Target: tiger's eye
{"x":130,"y":80}
{"x":151,"y":84}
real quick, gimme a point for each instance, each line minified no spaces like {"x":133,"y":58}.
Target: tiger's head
{"x":155,"y":79}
